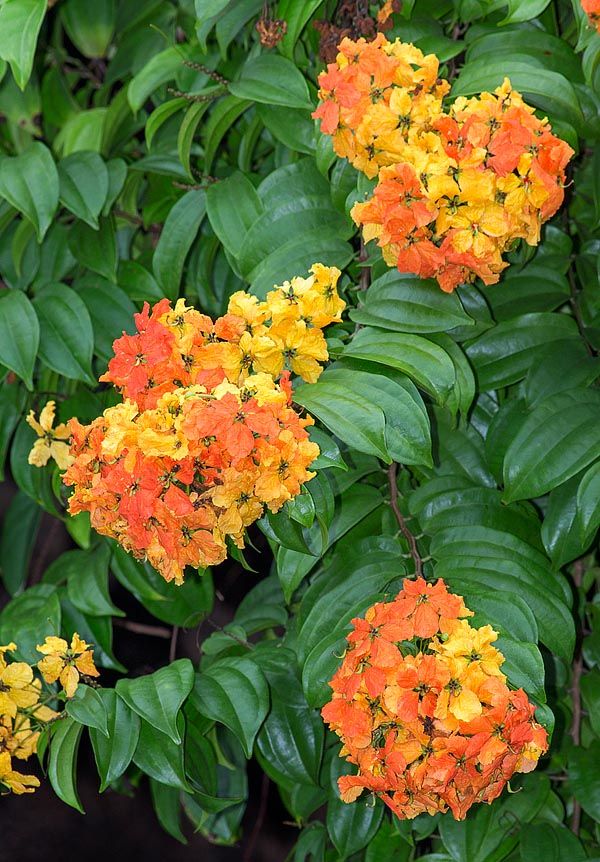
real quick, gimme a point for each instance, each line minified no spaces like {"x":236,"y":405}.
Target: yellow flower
{"x":296,"y":345}
{"x":16,"y":688}
{"x":65,"y":663}
{"x":16,"y":781}
{"x":472,"y":647}
{"x":51,"y":444}
{"x":17,"y":737}
{"x":250,"y":309}
{"x":8,"y":648}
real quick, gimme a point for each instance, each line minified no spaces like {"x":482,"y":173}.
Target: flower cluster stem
{"x":412,"y":542}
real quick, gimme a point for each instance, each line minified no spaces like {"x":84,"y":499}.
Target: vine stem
{"x":575,"y":731}
{"x":264,"y":794}
{"x":412,"y":542}
{"x":143,"y":629}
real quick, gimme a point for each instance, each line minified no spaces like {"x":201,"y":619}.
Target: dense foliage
{"x":165,"y":152}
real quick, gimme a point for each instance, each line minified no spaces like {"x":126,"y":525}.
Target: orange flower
{"x":592,"y":10}
{"x":423,"y":710}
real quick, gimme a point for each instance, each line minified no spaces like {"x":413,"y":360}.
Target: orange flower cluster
{"x":592,"y":10}
{"x":206,"y":435}
{"x":423,"y":709}
{"x":455,"y":189}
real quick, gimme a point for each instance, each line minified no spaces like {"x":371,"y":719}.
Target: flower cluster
{"x":423,"y":709}
{"x":455,"y":189}
{"x":592,"y":10}
{"x":206,"y":435}
{"x":24,"y":710}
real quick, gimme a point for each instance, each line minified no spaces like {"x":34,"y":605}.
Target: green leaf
{"x":588,"y":501}
{"x":87,"y":582}
{"x":557,"y":440}
{"x":83,"y":180}
{"x":350,"y":825}
{"x":162,"y":67}
{"x":272,"y":80}
{"x":167,"y":805}
{"x":427,"y":364}
{"x":178,"y":234}
{"x":12,"y":403}
{"x":87,"y":707}
{"x":95,"y":249}
{"x":234,"y":692}
{"x":110,"y":310}
{"x":157,"y":697}
{"x":160,"y":115}
{"x":232,"y":206}
{"x":222,"y":117}
{"x":295,"y":16}
{"x":19,"y":335}
{"x":187,"y":131}
{"x":404,"y":303}
{"x":20,"y":23}
{"x":504,"y":354}
{"x":89,"y":27}
{"x":113,"y":754}
{"x":82,"y":132}
{"x":34,"y":615}
{"x":62,"y":765}
{"x":584,"y":778}
{"x":290,"y":742}
{"x":66,"y":335}
{"x":29,"y":182}
{"x":19,"y":531}
{"x":159,"y":757}
{"x":523,"y":10}
{"x":551,"y":842}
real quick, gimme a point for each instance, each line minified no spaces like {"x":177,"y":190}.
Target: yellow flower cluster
{"x":24,"y":710}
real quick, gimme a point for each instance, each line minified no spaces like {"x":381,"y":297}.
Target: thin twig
{"x":173,"y":646}
{"x":575,"y":731}
{"x":262,"y":810}
{"x":412,"y":543}
{"x":223,"y":631}
{"x":574,"y":303}
{"x":137,"y":220}
{"x":143,"y":629}
{"x":365,"y":273}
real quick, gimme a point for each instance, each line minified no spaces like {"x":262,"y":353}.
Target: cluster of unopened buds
{"x":592,"y":10}
{"x":455,"y":189}
{"x":423,"y":709}
{"x":206,"y":436}
{"x":24,"y":709}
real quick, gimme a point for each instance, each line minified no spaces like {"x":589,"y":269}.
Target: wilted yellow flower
{"x":16,"y":781}
{"x":65,"y":663}
{"x":51,"y":443}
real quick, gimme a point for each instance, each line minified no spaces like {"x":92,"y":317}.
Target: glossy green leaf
{"x":158,"y":697}
{"x":272,"y":80}
{"x":557,"y":439}
{"x":19,"y":335}
{"x":83,"y":180}
{"x":29,"y":182}
{"x":177,"y":236}
{"x":19,"y":530}
{"x":87,"y":707}
{"x":113,"y":753}
{"x":234,"y":692}
{"x":62,"y":765}
{"x":66,"y":335}
{"x":159,"y":757}
{"x":20,"y":23}
{"x":90,"y":28}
